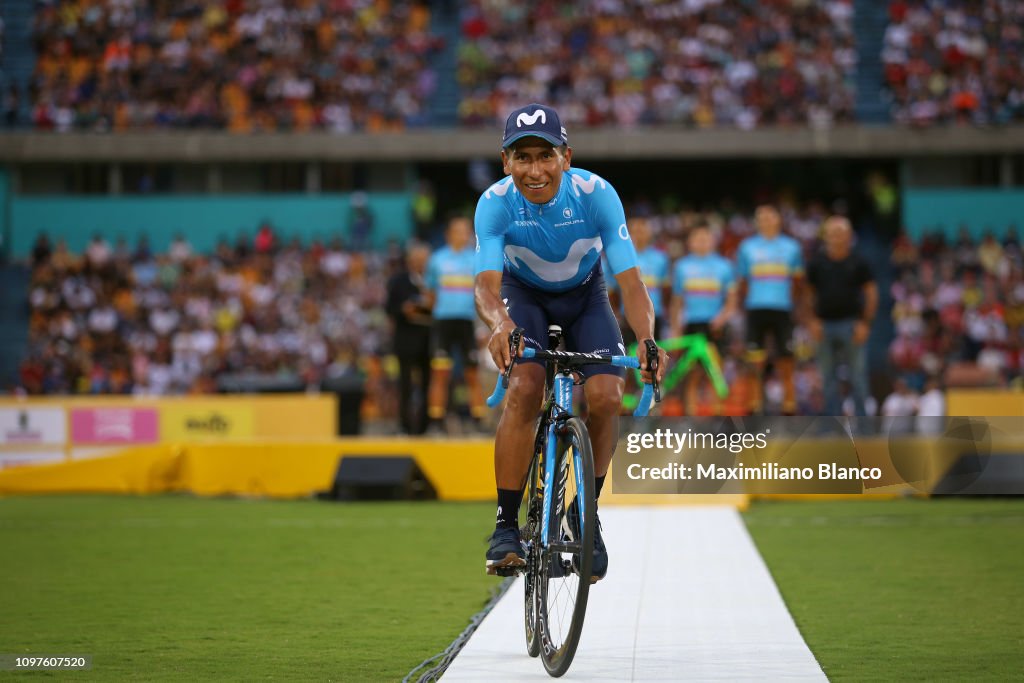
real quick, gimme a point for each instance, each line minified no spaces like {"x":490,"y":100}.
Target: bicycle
{"x":696,"y":349}
{"x":559,"y":538}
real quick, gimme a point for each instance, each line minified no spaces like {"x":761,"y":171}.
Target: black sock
{"x":508,"y":509}
{"x":598,"y":485}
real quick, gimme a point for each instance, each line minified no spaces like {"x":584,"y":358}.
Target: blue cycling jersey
{"x":703,"y":282}
{"x":554,"y":246}
{"x":769,"y":267}
{"x":654,"y":272}
{"x":654,"y":266}
{"x":450,"y":276}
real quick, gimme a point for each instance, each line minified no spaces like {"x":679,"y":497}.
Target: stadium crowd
{"x":123,"y":320}
{"x":958,"y":310}
{"x":370,"y":65}
{"x":273,"y":65}
{"x":690,"y":62}
{"x":950,"y":61}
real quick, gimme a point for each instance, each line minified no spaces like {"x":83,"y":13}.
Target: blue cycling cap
{"x":534,"y":120}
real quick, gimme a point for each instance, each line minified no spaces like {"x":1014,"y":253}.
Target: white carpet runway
{"x":687,"y":597}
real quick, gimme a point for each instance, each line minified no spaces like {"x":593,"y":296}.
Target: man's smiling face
{"x":536,"y":168}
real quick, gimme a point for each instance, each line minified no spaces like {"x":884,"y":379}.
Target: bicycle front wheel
{"x":532,"y":505}
{"x":565,"y":564}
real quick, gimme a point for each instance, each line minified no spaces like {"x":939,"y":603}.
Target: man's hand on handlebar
{"x":498,"y":345}
{"x":660,"y":358}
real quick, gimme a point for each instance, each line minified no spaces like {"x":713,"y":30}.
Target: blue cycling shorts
{"x":584,"y":314}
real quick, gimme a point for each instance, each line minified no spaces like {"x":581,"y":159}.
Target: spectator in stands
{"x":180,"y":250}
{"x":41,"y":250}
{"x":12,"y":106}
{"x":98,"y":253}
{"x":990,"y":256}
{"x":899,"y":407}
{"x":265,"y":241}
{"x":424,"y":210}
{"x":361,"y":223}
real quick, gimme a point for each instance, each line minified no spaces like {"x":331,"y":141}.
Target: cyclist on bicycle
{"x":540,"y":233}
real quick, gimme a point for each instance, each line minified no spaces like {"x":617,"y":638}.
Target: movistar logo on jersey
{"x":588,"y":185}
{"x":553,"y":271}
{"x":499,"y":188}
{"x":530,"y":119}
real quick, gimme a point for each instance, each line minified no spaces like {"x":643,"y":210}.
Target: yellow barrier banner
{"x":985,"y":402}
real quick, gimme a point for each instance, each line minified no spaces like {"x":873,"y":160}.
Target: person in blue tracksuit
{"x":770,"y":269}
{"x":449,"y":280}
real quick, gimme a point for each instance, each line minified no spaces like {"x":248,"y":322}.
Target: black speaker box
{"x":389,"y":477}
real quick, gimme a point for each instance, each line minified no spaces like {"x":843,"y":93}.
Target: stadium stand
{"x":955,"y":62}
{"x":703,"y":63}
{"x":350,"y":65}
{"x":116,"y":320}
{"x":958,"y":310}
{"x":379,"y":65}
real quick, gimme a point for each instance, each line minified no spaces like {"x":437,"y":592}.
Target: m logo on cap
{"x":530,"y":119}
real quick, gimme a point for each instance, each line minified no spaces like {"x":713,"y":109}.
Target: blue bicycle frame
{"x":563,"y":393}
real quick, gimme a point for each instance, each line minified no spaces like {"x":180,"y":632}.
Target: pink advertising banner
{"x":114,"y":425}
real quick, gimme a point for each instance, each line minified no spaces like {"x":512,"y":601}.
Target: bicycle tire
{"x":530,"y":533}
{"x":558,"y":649}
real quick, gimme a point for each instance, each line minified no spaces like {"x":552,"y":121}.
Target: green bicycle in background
{"x":695,"y":348}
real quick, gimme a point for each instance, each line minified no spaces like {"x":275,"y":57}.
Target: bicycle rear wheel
{"x":533,"y":501}
{"x":565,"y":565}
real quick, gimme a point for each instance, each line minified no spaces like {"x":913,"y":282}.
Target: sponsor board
{"x":24,"y":426}
{"x":114,"y":425}
{"x":205,"y":421}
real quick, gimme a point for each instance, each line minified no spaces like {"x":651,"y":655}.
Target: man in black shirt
{"x":844,"y":296}
{"x":408,"y":309}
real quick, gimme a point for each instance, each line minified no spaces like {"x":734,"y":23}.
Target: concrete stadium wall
{"x":463,"y":145}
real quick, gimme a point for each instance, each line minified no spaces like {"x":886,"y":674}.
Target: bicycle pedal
{"x":559,"y":569}
{"x":505,"y":571}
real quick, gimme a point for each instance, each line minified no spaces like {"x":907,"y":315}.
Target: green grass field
{"x":180,"y":588}
{"x":929,"y":590}
{"x":175,"y":587}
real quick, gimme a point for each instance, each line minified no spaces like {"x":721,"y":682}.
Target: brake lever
{"x":514,"y":339}
{"x":652,"y":365}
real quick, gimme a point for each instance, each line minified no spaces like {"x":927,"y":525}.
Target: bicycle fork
{"x":555,"y":466}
